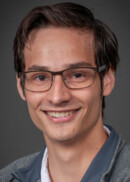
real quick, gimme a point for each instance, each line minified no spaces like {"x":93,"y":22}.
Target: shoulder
{"x":121,"y":169}
{"x":126,"y":151}
{"x":5,"y":173}
{"x":124,"y":156}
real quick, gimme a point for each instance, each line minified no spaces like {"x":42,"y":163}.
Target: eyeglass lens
{"x":73,"y":78}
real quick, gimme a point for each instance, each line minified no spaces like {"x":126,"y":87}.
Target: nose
{"x":58,"y":93}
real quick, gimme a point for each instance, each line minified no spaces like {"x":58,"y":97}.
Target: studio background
{"x":18,"y":135}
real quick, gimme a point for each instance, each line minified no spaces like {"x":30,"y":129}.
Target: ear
{"x":108,"y":82}
{"x":20,"y":90}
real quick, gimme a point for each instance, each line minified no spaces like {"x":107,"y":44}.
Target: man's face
{"x":62,"y":114}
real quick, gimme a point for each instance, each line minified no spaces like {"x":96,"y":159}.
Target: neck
{"x":68,"y":161}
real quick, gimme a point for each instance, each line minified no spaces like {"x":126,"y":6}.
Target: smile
{"x":60,"y":114}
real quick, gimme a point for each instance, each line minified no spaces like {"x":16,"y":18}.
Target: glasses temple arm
{"x":101,"y":68}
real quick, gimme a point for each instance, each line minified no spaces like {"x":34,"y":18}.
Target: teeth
{"x":60,"y":114}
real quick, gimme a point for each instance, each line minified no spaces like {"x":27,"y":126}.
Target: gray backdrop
{"x":18,"y":135}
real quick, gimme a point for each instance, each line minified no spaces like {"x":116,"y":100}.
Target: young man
{"x":65,"y":61}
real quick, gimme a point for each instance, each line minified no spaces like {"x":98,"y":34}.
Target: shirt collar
{"x":32,"y":172}
{"x":103,"y":159}
{"x":44,"y":169}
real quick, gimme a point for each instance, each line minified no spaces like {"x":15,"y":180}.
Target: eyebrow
{"x":38,"y":68}
{"x":78,"y":64}
{"x":66,"y":66}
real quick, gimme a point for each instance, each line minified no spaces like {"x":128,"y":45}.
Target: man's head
{"x":68,"y":15}
{"x":80,"y":52}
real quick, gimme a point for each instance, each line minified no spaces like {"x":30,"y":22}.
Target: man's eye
{"x":78,"y":75}
{"x":41,"y":77}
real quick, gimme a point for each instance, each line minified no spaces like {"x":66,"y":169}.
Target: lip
{"x":61,"y":116}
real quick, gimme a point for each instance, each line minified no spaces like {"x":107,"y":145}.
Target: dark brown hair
{"x":68,"y":15}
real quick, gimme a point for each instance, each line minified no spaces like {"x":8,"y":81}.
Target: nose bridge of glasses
{"x":58,"y":73}
{"x":58,"y":78}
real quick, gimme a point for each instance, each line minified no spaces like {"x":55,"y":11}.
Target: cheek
{"x":33,"y":102}
{"x":89,"y":96}
{"x":95,"y":103}
{"x":91,"y":100}
{"x":34,"y":99}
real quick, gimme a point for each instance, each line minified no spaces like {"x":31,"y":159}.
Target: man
{"x":65,"y":61}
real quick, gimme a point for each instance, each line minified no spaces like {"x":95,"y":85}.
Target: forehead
{"x":59,"y":30}
{"x":58,"y":47}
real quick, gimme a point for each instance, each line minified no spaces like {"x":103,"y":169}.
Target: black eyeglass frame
{"x":96,"y":69}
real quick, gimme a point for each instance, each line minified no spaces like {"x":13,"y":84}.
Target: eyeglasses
{"x":74,"y":78}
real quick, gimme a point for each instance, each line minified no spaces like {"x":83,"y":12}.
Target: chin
{"x":61,"y":137}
